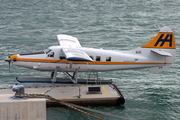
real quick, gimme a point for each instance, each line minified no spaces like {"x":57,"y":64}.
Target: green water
{"x":32,"y":25}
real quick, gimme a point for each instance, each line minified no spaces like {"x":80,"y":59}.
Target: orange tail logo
{"x":162,"y":40}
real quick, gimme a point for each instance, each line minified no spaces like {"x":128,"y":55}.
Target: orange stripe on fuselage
{"x":82,"y":62}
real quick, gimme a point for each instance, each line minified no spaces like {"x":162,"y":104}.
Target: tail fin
{"x":164,"y":46}
{"x":164,"y":39}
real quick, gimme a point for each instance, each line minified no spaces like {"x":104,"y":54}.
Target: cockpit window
{"x":47,"y":51}
{"x":51,"y":54}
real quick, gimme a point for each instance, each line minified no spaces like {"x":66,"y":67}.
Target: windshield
{"x":47,"y":51}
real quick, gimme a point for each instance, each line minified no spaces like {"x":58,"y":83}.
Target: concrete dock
{"x":35,"y":108}
{"x":21,"y":109}
{"x":77,"y":94}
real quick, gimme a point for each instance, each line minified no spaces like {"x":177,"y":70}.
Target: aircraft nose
{"x":7,"y":59}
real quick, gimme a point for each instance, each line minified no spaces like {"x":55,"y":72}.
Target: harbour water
{"x":32,"y":25}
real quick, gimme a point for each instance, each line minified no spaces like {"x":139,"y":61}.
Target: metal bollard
{"x":19,"y":89}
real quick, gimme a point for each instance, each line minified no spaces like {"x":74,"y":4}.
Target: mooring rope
{"x":73,"y":106}
{"x":97,"y":111}
{"x":54,"y":99}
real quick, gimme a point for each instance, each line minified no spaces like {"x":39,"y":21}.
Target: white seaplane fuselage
{"x":103,"y":60}
{"x":69,"y":56}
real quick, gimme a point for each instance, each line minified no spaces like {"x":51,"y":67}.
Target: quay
{"x":80,"y":94}
{"x":77,"y":94}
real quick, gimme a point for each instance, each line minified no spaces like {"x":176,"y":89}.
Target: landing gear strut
{"x":72,"y":78}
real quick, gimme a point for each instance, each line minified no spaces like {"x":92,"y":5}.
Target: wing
{"x":68,"y":41}
{"x":69,"y":44}
{"x":75,"y":55}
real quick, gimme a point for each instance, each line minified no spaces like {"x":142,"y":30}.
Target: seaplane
{"x":70,"y":57}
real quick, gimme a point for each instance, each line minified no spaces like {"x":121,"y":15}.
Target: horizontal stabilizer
{"x":158,"y":69}
{"x":162,"y":53}
{"x":76,"y":55}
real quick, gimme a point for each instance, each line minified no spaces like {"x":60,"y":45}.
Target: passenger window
{"x":51,"y":54}
{"x":98,"y":58}
{"x":62,"y":56}
{"x":108,"y":58}
{"x":91,"y":57}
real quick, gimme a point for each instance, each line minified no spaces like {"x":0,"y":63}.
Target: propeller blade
{"x":9,"y":65}
{"x":8,"y":60}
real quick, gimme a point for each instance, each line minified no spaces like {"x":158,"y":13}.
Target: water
{"x":32,"y":25}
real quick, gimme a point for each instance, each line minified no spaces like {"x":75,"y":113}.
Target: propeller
{"x":9,"y":61}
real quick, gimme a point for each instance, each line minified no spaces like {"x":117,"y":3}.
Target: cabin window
{"x":62,"y":56}
{"x":91,"y":57}
{"x":51,"y":54}
{"x":108,"y":58}
{"x":98,"y":58}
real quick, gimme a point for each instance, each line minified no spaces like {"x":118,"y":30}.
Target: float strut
{"x":54,"y":74}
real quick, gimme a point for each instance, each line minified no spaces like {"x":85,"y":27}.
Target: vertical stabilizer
{"x":163,"y":45}
{"x":164,"y":39}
